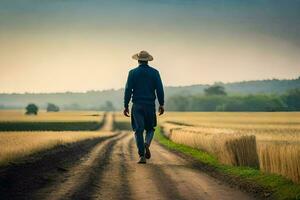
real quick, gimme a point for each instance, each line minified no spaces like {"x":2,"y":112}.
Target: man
{"x":142,"y":83}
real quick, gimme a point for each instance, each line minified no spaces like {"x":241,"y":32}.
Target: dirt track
{"x":107,"y":169}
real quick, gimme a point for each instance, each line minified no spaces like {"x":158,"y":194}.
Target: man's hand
{"x":126,"y":112}
{"x":161,"y":110}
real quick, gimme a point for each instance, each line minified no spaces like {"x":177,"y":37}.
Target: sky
{"x":81,"y":45}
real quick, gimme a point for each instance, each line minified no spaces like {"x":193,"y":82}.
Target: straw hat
{"x":143,"y":56}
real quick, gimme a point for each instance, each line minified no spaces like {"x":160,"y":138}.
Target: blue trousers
{"x":143,"y":118}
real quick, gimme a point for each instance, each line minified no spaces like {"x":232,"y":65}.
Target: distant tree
{"x":52,"y":107}
{"x":31,"y":109}
{"x":215,"y":90}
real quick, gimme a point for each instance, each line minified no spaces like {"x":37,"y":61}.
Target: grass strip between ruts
{"x":281,"y":187}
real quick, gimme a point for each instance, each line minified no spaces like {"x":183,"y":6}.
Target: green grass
{"x":282,"y":189}
{"x":50,"y":126}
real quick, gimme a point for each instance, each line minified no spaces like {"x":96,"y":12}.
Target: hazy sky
{"x":79,"y":45}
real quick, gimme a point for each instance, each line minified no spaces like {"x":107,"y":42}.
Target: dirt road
{"x":107,"y":169}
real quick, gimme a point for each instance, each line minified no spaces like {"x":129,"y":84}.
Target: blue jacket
{"x":142,"y":83}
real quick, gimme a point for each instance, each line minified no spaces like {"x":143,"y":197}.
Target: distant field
{"x":242,"y":120}
{"x":63,"y":116}
{"x":16,"y":120}
{"x":277,"y":126}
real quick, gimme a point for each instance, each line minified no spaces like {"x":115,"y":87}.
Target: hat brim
{"x":148,"y":58}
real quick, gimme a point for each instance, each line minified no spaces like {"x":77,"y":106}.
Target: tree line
{"x":96,"y":100}
{"x":216,"y":99}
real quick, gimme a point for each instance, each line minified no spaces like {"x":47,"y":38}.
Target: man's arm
{"x":128,"y":92}
{"x":160,"y":94}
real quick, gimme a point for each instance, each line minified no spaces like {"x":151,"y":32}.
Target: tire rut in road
{"x":168,"y":176}
{"x":124,"y":171}
{"x":112,"y":183}
{"x":149,"y":181}
{"x":130,"y":145}
{"x":91,"y":188}
{"x":81,"y":179}
{"x":165,"y":183}
{"x":191,"y":182}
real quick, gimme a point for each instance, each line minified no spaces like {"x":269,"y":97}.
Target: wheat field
{"x":15,"y":145}
{"x":230,"y":148}
{"x":269,"y":140}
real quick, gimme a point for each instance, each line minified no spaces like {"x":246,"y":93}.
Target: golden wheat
{"x":230,"y":148}
{"x":277,"y":138}
{"x":280,"y":158}
{"x":262,"y":121}
{"x":15,"y":145}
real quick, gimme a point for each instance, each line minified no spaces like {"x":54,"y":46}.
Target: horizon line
{"x":167,"y":86}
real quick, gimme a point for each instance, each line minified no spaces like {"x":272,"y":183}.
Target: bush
{"x":215,"y":90}
{"x":31,"y":109}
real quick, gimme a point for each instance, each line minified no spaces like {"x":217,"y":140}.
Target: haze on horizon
{"x":75,"y":45}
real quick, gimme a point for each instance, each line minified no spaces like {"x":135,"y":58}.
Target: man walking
{"x":142,"y":84}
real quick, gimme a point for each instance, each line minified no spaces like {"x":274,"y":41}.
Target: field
{"x":15,"y":120}
{"x":101,"y":163}
{"x":269,"y":141}
{"x":17,"y":144}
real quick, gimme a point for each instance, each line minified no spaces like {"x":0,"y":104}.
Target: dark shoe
{"x":142,"y":160}
{"x":147,"y":153}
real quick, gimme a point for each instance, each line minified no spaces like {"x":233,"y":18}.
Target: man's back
{"x":142,"y":83}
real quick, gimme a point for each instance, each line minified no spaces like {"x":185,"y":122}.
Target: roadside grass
{"x":280,"y":187}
